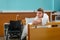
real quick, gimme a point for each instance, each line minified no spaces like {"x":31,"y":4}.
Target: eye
{"x":39,"y":13}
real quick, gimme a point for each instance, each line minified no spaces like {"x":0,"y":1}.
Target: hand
{"x":34,"y":22}
{"x":39,"y":20}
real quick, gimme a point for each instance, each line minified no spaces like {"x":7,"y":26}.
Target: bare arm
{"x":38,"y":21}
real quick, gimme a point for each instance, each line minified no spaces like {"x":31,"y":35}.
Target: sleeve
{"x":36,"y":18}
{"x":25,"y":32}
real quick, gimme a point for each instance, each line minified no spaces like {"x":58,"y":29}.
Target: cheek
{"x":41,"y":15}
{"x":37,"y":14}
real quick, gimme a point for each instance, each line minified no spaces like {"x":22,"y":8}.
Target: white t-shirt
{"x":44,"y":20}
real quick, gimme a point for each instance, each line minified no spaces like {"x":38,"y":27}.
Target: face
{"x":39,"y":14}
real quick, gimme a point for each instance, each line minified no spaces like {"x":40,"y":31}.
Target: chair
{"x":14,"y":29}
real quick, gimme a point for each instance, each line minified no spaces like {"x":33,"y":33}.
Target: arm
{"x":38,"y":21}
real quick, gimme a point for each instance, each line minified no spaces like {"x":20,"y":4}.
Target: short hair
{"x":40,"y":9}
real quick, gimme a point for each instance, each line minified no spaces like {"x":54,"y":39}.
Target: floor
{"x":2,"y":38}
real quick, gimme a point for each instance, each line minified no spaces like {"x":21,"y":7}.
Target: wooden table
{"x":52,"y":33}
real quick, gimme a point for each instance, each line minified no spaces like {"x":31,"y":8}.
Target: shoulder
{"x":45,"y":15}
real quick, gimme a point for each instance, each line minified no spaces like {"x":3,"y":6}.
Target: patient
{"x":41,"y":18}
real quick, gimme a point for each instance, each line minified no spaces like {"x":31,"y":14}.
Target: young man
{"x":41,"y":18}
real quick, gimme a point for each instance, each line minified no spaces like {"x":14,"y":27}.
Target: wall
{"x":25,"y":4}
{"x":3,"y":4}
{"x":57,"y":5}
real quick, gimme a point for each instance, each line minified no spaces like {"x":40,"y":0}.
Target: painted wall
{"x":3,"y":4}
{"x":57,"y":5}
{"x":25,"y":4}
